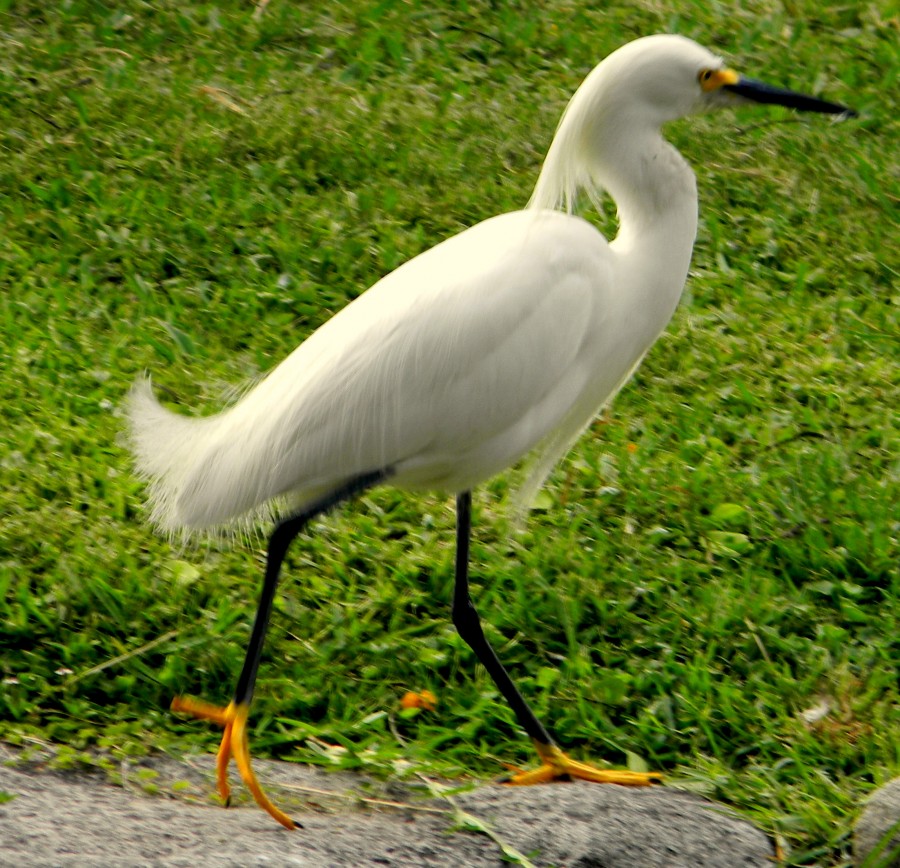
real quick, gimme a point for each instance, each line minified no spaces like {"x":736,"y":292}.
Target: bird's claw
{"x":234,"y":744}
{"x":556,"y":765}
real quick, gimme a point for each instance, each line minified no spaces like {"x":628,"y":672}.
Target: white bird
{"x":501,"y":341}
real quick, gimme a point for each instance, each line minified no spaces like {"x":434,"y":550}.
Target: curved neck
{"x":606,"y":146}
{"x":605,"y":141}
{"x":655,"y":193}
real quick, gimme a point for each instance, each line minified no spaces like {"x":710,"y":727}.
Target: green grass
{"x":190,"y":192}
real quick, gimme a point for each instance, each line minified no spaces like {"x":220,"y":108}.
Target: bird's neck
{"x":656,"y":196}
{"x":655,"y":193}
{"x":606,"y":146}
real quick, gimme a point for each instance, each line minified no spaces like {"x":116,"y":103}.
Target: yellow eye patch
{"x":713,"y":79}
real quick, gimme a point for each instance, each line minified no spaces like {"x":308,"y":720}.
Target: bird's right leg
{"x":554,"y":763}
{"x":234,"y":716}
{"x":468,"y":625}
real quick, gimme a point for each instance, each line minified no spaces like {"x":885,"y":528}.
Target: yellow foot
{"x":234,"y":743}
{"x":555,"y":765}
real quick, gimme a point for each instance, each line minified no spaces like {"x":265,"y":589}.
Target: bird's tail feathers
{"x":180,"y":456}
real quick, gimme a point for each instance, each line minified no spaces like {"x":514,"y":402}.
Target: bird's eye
{"x":710,"y":79}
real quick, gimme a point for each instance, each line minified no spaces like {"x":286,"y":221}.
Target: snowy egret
{"x":501,"y":341}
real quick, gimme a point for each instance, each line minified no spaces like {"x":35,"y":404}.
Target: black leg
{"x":233,"y":718}
{"x":467,"y":623}
{"x":279,"y":541}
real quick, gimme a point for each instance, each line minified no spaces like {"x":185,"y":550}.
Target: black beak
{"x":759,"y":91}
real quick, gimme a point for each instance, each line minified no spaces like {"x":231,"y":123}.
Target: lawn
{"x":707,"y":585}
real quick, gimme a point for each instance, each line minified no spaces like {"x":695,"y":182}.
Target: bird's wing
{"x":447,"y":370}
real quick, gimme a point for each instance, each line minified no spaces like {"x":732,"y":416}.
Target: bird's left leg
{"x":234,"y":716}
{"x":554,"y":763}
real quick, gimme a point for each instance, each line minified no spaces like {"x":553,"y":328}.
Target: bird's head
{"x":624,"y":101}
{"x":665,"y":77}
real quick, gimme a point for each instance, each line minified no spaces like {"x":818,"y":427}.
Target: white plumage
{"x":509,"y":336}
{"x":506,"y":337}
